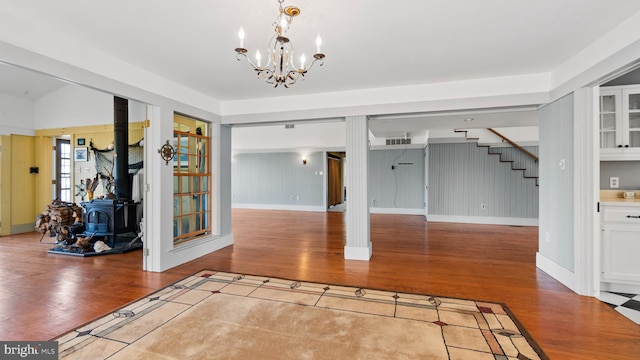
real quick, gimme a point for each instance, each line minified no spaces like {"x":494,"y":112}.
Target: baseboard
{"x":358,"y":253}
{"x":397,"y":211}
{"x":194,"y":249}
{"x":621,"y":288}
{"x":483,"y":220}
{"x":556,"y":271}
{"x":280,"y":207}
{"x":22,"y":228}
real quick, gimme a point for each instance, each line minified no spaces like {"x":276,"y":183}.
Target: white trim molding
{"x":556,"y":271}
{"x":285,"y":207}
{"x":396,"y":211}
{"x":358,"y":253}
{"x":483,"y":220}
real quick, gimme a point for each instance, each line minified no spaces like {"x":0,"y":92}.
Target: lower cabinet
{"x":621,"y":244}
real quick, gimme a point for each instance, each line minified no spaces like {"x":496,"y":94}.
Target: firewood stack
{"x":57,"y":215}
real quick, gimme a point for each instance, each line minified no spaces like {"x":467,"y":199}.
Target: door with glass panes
{"x":191,"y":179}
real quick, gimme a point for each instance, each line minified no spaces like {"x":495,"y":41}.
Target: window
{"x":63,"y":170}
{"x":191,"y":179}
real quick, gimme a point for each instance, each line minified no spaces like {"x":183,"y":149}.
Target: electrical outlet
{"x":547,"y":237}
{"x":614,"y":182}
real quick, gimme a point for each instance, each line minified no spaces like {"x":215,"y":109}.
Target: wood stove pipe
{"x":121,"y":148}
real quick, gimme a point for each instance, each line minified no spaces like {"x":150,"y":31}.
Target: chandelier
{"x":280,"y":69}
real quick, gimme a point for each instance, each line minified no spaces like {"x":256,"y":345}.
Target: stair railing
{"x":515,"y":145}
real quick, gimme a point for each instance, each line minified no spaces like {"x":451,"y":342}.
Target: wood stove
{"x":110,"y":218}
{"x":117,"y":216}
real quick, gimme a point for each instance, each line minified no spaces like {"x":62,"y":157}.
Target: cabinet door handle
{"x":626,"y":146}
{"x":619,"y":146}
{"x":633,"y":217}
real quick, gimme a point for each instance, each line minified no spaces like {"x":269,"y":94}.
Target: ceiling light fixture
{"x":280,"y":68}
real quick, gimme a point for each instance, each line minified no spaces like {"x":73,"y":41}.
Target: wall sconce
{"x":304,"y":160}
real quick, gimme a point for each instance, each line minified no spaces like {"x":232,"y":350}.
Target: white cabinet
{"x":621,"y":244}
{"x":620,"y":123}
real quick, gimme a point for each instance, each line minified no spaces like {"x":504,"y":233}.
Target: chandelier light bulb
{"x":241,"y":36}
{"x":318,"y":43}
{"x":258,"y":58}
{"x":302,"y":61}
{"x":283,"y":23}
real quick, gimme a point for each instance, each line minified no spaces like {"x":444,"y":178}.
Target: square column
{"x":358,"y":246}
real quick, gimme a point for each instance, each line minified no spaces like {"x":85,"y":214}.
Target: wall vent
{"x":289,"y":126}
{"x":399,"y":141}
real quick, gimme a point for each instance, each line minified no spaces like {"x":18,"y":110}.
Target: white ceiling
{"x":23,"y":83}
{"x":368,"y":44}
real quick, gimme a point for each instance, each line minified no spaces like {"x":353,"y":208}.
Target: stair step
{"x":496,"y":151}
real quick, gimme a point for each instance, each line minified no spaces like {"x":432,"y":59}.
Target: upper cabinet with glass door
{"x":620,"y":123}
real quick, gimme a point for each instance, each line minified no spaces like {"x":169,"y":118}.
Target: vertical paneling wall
{"x":22,"y":186}
{"x":277,"y":179}
{"x":556,"y":182}
{"x":225,"y":179}
{"x":401,"y":187}
{"x":463,"y":176}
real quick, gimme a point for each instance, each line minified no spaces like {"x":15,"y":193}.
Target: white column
{"x":586,"y":190}
{"x":358,"y":245}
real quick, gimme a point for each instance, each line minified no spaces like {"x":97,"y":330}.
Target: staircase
{"x":519,"y":158}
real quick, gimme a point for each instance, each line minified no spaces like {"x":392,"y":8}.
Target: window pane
{"x":205,"y":220}
{"x":607,"y":140}
{"x":185,"y":184}
{"x":193,"y":163}
{"x":634,"y":121}
{"x":196,"y":185}
{"x":608,"y":122}
{"x":634,"y":102}
{"x":205,"y":202}
{"x":65,"y":195}
{"x":634,"y":138}
{"x":186,"y":225}
{"x":186,"y":204}
{"x":176,"y":206}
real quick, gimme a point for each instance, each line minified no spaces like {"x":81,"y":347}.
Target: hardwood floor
{"x":45,"y":295}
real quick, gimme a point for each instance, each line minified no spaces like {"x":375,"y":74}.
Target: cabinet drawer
{"x":628,"y":215}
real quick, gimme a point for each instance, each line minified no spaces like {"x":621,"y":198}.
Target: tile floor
{"x":626,"y":304}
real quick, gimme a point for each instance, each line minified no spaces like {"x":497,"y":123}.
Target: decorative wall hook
{"x":167,"y":152}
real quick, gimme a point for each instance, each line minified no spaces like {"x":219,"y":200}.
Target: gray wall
{"x":627,"y":171}
{"x":402,"y":187}
{"x":277,"y":179}
{"x":556,"y":200}
{"x":225,"y":180}
{"x":463,"y":176}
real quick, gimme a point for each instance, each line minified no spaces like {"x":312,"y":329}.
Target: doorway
{"x":336,"y":192}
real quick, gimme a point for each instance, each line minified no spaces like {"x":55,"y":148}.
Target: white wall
{"x":16,"y":116}
{"x":302,"y":136}
{"x":75,"y":105}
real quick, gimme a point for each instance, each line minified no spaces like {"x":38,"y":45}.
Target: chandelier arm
{"x":311,"y":65}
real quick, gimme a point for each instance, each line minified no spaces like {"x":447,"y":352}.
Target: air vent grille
{"x":399,"y":141}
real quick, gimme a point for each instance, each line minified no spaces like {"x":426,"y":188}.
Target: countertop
{"x":614,"y":197}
